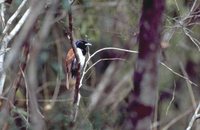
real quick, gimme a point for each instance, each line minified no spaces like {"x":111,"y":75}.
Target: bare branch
{"x":36,"y":116}
{"x":195,"y":41}
{"x":115,"y":95}
{"x":77,"y":85}
{"x":176,"y":119}
{"x":173,"y":97}
{"x":194,"y":104}
{"x":193,"y":7}
{"x":4,"y":45}
{"x":13,"y":17}
{"x":101,"y":87}
{"x":77,"y":95}
{"x":170,"y":69}
{"x":26,"y":29}
{"x":177,"y":5}
{"x":27,"y":95}
{"x":104,"y":59}
{"x":112,"y":48}
{"x":3,"y":8}
{"x":191,"y":10}
{"x":194,"y":117}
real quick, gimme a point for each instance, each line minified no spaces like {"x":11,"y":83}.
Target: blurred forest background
{"x":33,"y":51}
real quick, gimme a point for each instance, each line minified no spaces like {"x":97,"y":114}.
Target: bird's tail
{"x":67,"y":80}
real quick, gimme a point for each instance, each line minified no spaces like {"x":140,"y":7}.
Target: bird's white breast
{"x":81,"y":56}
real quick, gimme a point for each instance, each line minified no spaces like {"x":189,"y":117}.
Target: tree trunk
{"x":141,"y":101}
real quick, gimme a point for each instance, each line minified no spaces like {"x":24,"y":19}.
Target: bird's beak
{"x":88,"y":44}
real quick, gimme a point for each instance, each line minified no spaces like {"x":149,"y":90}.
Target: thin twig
{"x":56,"y":91}
{"x":194,"y":104}
{"x":27,"y":103}
{"x":170,"y":69}
{"x":114,"y":94}
{"x":112,"y":48}
{"x":131,"y":51}
{"x":177,"y":5}
{"x":173,"y":97}
{"x":195,"y":41}
{"x":194,"y":117}
{"x":104,"y":59}
{"x":176,"y":119}
{"x":104,"y":49}
{"x":58,"y":82}
{"x":193,"y":6}
{"x":190,"y":12}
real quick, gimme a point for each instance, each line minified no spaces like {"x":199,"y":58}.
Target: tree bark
{"x":141,"y":101}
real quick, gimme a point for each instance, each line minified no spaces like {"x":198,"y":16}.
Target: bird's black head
{"x":83,"y":45}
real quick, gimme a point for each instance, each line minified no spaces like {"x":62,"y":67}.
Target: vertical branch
{"x":141,"y":101}
{"x":27,"y":101}
{"x":58,"y":80}
{"x":3,"y":9}
{"x":35,"y":10}
{"x":78,"y":77}
{"x":6,"y":108}
{"x":77,"y":85}
{"x":70,"y":36}
{"x":77,"y":95}
{"x":36,"y":117}
{"x":70,"y":25}
{"x":79,"y":82}
{"x":70,"y":33}
{"x":4,"y":45}
{"x":7,"y":38}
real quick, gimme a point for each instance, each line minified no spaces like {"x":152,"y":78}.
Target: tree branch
{"x":3,"y":8}
{"x":4,"y":45}
{"x":78,"y":77}
{"x":13,"y":17}
{"x":194,"y":117}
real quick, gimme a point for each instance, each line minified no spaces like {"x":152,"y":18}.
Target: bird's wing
{"x":69,"y":59}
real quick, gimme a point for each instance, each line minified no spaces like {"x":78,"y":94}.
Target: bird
{"x":71,"y":62}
